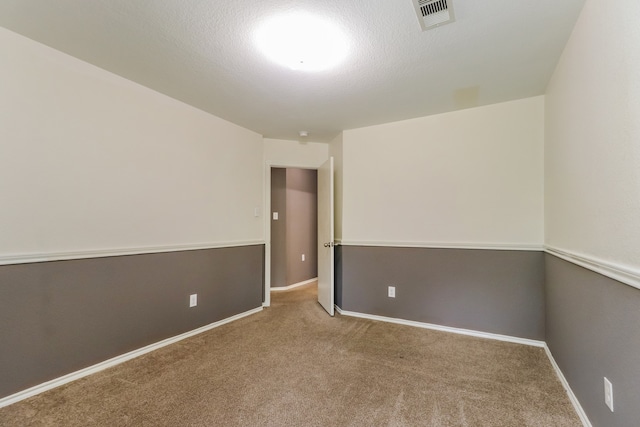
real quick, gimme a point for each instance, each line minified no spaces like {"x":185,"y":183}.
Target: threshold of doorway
{"x":295,"y":285}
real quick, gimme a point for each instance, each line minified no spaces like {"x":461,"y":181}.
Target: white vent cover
{"x":433,"y":13}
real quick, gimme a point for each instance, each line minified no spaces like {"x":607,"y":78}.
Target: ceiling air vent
{"x":433,"y":13}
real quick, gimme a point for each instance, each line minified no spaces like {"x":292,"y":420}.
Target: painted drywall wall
{"x":59,"y":317}
{"x":302,"y":225}
{"x":335,"y":151}
{"x":278,"y":227}
{"x":91,"y":161}
{"x":592,"y":331}
{"x":278,"y":152}
{"x":468,"y":177}
{"x":592,"y":206}
{"x":495,"y":291}
{"x":592,"y":177}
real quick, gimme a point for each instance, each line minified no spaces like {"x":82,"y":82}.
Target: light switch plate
{"x":608,"y":393}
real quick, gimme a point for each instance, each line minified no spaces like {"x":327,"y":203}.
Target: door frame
{"x":267,"y":219}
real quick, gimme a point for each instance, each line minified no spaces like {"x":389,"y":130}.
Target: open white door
{"x":325,"y":236}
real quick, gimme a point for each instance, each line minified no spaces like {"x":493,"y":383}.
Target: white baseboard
{"x":116,"y":360}
{"x":567,"y":387}
{"x":295,"y":285}
{"x":469,"y":332}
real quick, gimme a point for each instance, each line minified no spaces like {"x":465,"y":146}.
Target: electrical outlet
{"x":392,"y":292}
{"x":608,"y":393}
{"x":303,"y":257}
{"x":275,"y":216}
{"x":193,"y":300}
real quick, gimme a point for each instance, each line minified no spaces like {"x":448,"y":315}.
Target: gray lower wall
{"x":593,"y":331}
{"x":59,"y":317}
{"x":500,"y":292}
{"x":337,"y":275}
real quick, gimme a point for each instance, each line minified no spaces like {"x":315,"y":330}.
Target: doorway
{"x":294,"y":227}
{"x":325,"y":231}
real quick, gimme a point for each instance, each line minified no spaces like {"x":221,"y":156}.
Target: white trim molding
{"x":567,"y":387}
{"x":460,"y":331}
{"x":609,"y":269}
{"x":442,"y":245}
{"x":116,"y":360}
{"x":295,"y":285}
{"x":104,"y":253}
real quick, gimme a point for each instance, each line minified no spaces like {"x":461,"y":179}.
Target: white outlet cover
{"x":275,"y":216}
{"x":193,"y":300}
{"x":303,"y":257}
{"x":392,"y":292}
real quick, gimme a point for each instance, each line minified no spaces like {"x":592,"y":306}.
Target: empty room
{"x":471,"y":171}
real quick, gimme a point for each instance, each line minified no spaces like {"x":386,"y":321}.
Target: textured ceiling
{"x":202,"y":52}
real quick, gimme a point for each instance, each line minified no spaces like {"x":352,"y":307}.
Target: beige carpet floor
{"x":293,"y":365}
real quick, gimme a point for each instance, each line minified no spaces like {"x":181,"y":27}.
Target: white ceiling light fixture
{"x":302,"y":42}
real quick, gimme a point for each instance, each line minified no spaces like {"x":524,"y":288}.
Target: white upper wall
{"x":593,"y":137}
{"x":91,"y":161}
{"x":284,"y":153}
{"x":471,"y":178}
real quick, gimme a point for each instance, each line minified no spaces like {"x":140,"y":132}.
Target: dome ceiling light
{"x":302,"y":42}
